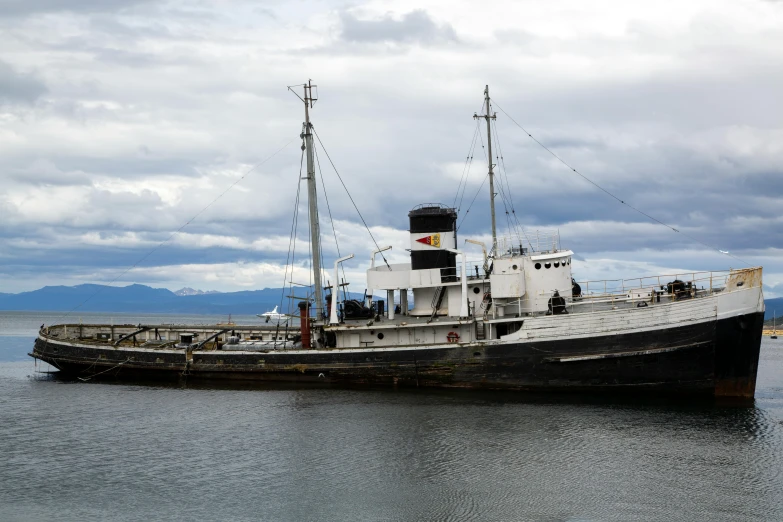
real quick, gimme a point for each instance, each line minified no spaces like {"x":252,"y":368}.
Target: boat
{"x":514,"y":320}
{"x":274,"y":317}
{"x":774,"y":329}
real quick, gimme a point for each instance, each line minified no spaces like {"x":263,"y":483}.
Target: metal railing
{"x":475,"y":271}
{"x":530,"y":242}
{"x":714,"y":280}
{"x":609,"y":293}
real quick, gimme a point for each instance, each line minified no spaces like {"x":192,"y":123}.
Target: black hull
{"x":718,"y":358}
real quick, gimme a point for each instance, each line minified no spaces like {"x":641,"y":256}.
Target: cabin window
{"x":380,"y":335}
{"x":476,"y":290}
{"x":538,"y":266}
{"x":547,"y":265}
{"x":514,"y":267}
{"x":557,"y":264}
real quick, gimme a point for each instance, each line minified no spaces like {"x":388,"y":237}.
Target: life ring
{"x":452,"y":337}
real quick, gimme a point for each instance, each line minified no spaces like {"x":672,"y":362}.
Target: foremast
{"x":489,"y":116}
{"x":312,"y":200}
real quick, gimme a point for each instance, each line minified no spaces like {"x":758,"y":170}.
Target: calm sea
{"x":93,"y":451}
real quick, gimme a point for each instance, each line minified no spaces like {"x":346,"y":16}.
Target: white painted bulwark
{"x":425,"y":278}
{"x":392,"y":277}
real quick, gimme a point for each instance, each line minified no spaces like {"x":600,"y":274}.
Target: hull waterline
{"x":717,"y":358}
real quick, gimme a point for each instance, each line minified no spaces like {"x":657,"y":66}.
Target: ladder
{"x":437,"y":299}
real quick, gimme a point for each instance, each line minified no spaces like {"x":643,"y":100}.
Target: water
{"x":94,"y":451}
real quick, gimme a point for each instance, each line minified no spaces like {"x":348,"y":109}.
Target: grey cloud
{"x":658,"y":140}
{"x":46,"y":173}
{"x":110,"y":25}
{"x":515,"y":37}
{"x":29,"y":7}
{"x":17,"y":87}
{"x":414,"y":27}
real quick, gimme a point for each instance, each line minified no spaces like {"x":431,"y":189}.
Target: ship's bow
{"x":738,"y":334}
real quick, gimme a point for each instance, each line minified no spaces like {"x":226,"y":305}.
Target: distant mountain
{"x":772,"y":306}
{"x":190,"y":291}
{"x":142,"y":299}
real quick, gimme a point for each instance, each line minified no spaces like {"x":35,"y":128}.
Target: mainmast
{"x":488,"y":116}
{"x":312,"y":200}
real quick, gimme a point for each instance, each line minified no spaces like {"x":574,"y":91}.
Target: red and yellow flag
{"x":433,"y":240}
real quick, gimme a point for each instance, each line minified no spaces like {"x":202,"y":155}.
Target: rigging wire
{"x":652,"y":218}
{"x":502,"y":165}
{"x":331,"y":220}
{"x":180,"y":229}
{"x":349,"y":195}
{"x":466,"y":168}
{"x":503,"y":198}
{"x":465,"y":185}
{"x":291,"y":251}
{"x":472,"y":201}
{"x":517,"y":225}
{"x":499,"y":187}
{"x":476,"y":136}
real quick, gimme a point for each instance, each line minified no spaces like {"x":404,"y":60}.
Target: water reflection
{"x":128,"y":451}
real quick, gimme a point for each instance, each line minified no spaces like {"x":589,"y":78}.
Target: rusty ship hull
{"x":718,"y":358}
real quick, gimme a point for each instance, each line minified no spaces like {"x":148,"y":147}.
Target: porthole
{"x":547,"y":265}
{"x":557,"y":264}
{"x":380,"y":335}
{"x":569,"y":261}
{"x":476,"y":290}
{"x":538,"y":266}
{"x":514,"y":267}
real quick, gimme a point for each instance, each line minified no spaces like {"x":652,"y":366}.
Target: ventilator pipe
{"x":333,"y":316}
{"x":390,"y":309}
{"x":372,"y":266}
{"x":463,"y":309}
{"x":304,"y":323}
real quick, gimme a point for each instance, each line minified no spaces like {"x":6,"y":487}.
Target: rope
{"x":648,"y":216}
{"x":349,"y":196}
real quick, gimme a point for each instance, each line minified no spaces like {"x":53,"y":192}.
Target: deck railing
{"x":612,"y":292}
{"x":713,"y":280}
{"x":530,"y":242}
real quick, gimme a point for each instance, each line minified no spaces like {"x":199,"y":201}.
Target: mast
{"x":312,"y":200}
{"x":488,"y":116}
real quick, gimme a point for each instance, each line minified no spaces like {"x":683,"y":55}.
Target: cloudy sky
{"x":120,"y":120}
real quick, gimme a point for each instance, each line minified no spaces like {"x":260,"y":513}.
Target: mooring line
{"x":104,"y":371}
